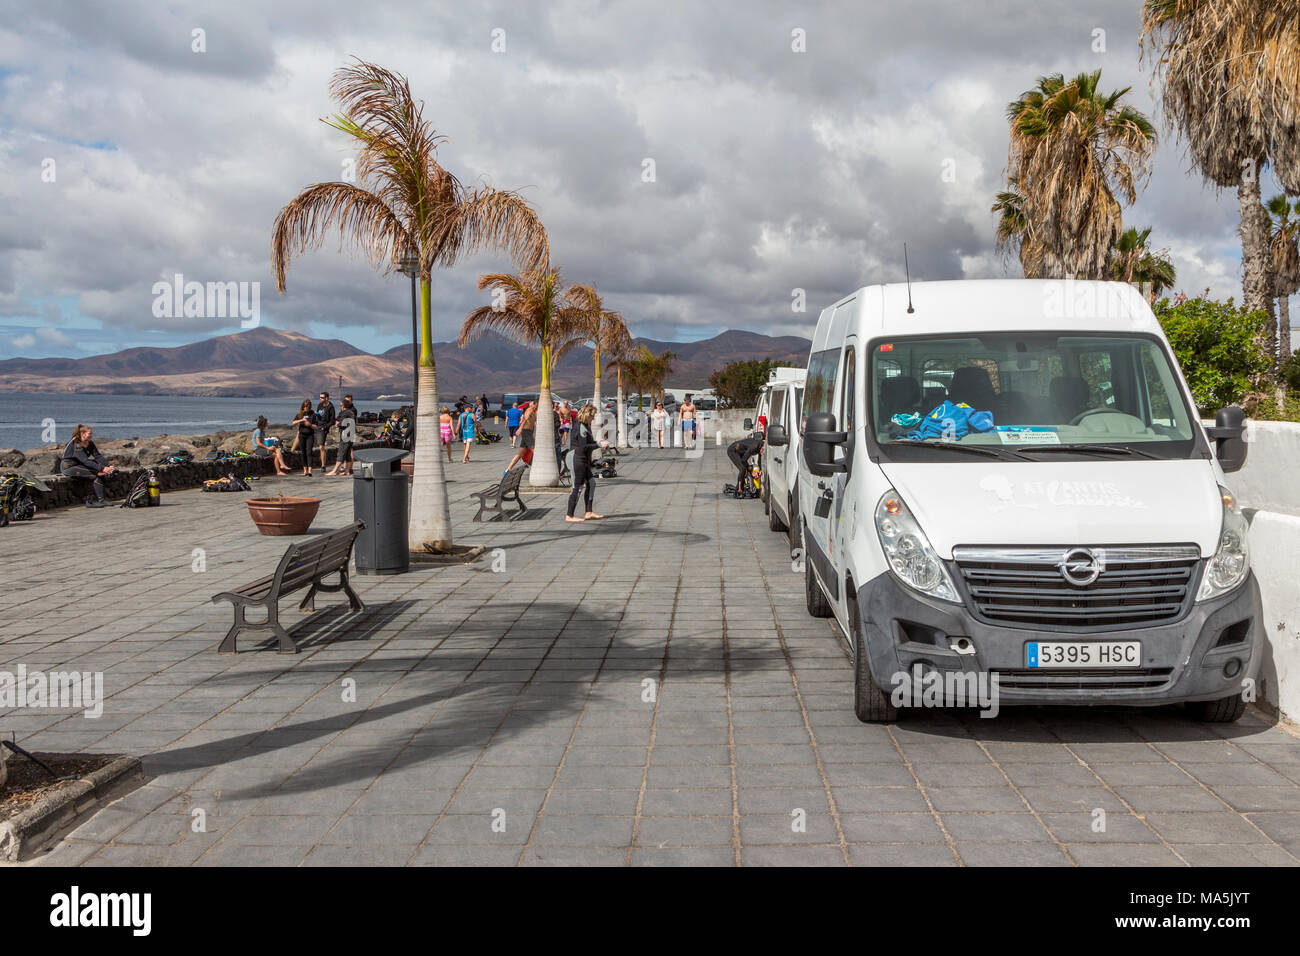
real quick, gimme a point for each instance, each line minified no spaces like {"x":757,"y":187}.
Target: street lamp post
{"x":410,"y":265}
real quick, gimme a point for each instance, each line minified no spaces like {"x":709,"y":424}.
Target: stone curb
{"x":52,"y":816}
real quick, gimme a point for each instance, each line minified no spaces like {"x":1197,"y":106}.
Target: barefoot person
{"x":81,"y":459}
{"x":265,"y":446}
{"x":347,"y":436}
{"x":687,"y":413}
{"x":444,"y":430}
{"x":584,"y":442}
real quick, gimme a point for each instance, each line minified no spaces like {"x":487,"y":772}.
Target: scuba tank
{"x":155,"y":491}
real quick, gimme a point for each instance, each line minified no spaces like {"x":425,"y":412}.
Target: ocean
{"x":27,"y":420}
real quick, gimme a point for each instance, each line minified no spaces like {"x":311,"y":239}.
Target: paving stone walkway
{"x":644,"y":690}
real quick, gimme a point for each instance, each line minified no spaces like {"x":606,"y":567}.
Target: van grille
{"x":1089,"y":679}
{"x":1021,"y":586}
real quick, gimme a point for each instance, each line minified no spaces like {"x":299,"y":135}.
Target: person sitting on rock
{"x":265,"y":446}
{"x":81,"y":459}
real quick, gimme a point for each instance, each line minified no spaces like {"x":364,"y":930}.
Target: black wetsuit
{"x":84,"y":462}
{"x":740,"y":452}
{"x":584,"y":443}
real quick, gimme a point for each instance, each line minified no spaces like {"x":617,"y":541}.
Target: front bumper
{"x":1210,"y":653}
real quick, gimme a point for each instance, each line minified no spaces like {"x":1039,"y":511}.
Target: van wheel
{"x":1225,"y":710}
{"x":871,"y":704}
{"x":818,"y":606}
{"x":774,"y":522}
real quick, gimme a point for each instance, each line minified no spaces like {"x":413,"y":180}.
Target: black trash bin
{"x":380,"y":501}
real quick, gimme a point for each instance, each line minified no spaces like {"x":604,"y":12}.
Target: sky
{"x":689,"y":159}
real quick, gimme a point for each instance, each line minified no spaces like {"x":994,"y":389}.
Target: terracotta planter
{"x":408,"y":466}
{"x":283,"y":515}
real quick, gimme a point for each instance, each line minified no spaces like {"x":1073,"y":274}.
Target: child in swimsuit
{"x":444,"y":429}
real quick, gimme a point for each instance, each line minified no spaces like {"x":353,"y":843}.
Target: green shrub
{"x":738,"y":382}
{"x":1218,"y":347}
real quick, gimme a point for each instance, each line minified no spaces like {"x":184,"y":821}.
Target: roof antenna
{"x":907,"y":272}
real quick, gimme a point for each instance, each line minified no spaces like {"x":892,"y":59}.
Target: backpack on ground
{"x":228,"y":483}
{"x":138,"y":496}
{"x":16,"y":500}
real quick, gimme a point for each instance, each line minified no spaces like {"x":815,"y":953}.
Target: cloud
{"x":774,"y":169}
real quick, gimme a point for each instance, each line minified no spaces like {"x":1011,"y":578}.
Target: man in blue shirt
{"x":513,"y":415}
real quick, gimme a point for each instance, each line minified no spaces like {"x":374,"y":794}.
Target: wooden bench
{"x":507,"y":489}
{"x":304,"y":565}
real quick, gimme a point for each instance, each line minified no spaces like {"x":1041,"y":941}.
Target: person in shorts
{"x":513,"y":414}
{"x":687,"y":413}
{"x":265,"y":446}
{"x":347,"y":437}
{"x":527,"y":431}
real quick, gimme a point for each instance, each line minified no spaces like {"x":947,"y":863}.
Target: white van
{"x":1006,"y":484}
{"x":779,"y":401}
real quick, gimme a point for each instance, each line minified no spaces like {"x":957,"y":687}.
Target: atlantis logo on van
{"x":1057,"y":494}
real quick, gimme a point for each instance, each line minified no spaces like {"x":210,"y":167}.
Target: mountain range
{"x":267,"y":362}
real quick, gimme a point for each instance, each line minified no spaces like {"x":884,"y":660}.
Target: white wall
{"x":1270,"y":484}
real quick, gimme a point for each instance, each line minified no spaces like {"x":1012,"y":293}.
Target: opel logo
{"x":1081,"y":566}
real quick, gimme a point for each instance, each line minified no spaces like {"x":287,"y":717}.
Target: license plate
{"x":1083,"y":654}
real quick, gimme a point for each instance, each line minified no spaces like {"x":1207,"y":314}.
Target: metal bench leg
{"x":309,"y":602}
{"x":479,"y":516}
{"x":287,"y":646}
{"x":354,"y":601}
{"x":227,"y":645}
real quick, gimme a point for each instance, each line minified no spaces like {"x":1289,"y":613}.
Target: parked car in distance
{"x":1061,"y":529}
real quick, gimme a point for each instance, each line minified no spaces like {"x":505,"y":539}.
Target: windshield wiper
{"x":1084,"y":448}
{"x":984,"y":450}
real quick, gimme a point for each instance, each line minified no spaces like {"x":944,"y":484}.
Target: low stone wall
{"x":66,"y":491}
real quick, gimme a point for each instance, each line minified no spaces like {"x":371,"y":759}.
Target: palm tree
{"x":1013,"y":228}
{"x":1073,"y":148}
{"x":405,"y":204}
{"x":620,"y":355}
{"x":533,"y":308}
{"x":1284,"y":246}
{"x":601,"y":328}
{"x":1133,"y":262}
{"x":1231,"y":87}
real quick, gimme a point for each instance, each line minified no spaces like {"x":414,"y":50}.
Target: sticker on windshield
{"x":1028,"y":435}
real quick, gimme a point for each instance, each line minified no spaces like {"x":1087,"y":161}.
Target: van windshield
{"x":1030,"y":392}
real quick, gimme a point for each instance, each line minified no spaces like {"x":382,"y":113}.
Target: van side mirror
{"x":776,"y":436}
{"x":749,"y":424}
{"x":1229,"y":435}
{"x":819,"y":441}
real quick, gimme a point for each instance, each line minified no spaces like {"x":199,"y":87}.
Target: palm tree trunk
{"x":1283,"y":342}
{"x":619,"y":411}
{"x":1256,"y":262}
{"x":544,"y":471}
{"x":430,"y":519}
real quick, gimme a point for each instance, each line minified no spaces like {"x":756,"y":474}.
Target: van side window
{"x":848,"y":396}
{"x":776,"y":412}
{"x":819,"y":390}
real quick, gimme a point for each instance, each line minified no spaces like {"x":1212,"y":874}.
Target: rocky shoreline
{"x":153,"y":450}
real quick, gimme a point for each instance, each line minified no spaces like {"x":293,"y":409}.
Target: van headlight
{"x":909,"y":552}
{"x":1231,"y":563}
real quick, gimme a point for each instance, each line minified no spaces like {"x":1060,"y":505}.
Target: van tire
{"x":818,"y":605}
{"x":774,"y":522}
{"x":1225,"y":710}
{"x":871,"y":704}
